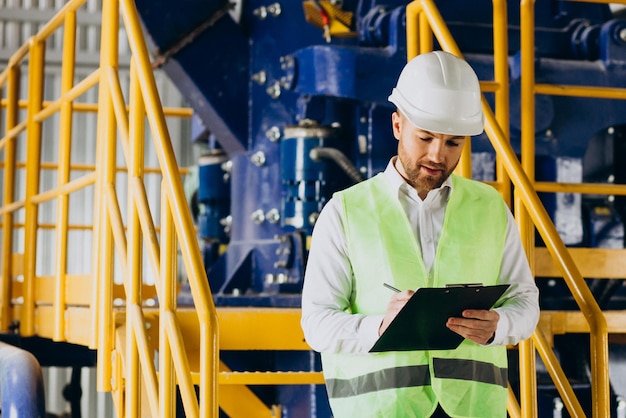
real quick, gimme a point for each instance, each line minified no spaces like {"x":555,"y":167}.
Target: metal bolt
{"x":273,"y":216}
{"x":280,"y":264}
{"x":274,"y":9}
{"x":258,"y":217}
{"x":557,"y":410}
{"x":362,"y":140}
{"x":287,"y":62}
{"x":227,"y":166}
{"x":273,"y":133}
{"x":274,"y":90}
{"x":258,"y":158}
{"x":313,"y":218}
{"x":260,"y":78}
{"x":261,"y":12}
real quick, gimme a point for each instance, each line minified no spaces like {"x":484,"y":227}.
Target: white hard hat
{"x":440,"y":93}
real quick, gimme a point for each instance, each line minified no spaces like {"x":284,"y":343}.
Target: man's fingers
{"x":481,"y":314}
{"x":396,"y":303}
{"x":478,"y":335}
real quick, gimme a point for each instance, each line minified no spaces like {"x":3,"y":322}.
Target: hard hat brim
{"x":467,"y":126}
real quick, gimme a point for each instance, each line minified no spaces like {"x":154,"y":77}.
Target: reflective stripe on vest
{"x":476,"y":371}
{"x":402,"y":377}
{"x":398,"y":377}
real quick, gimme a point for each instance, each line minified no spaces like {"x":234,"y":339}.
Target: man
{"x":418,"y":225}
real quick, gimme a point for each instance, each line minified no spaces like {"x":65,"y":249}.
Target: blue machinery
{"x":291,"y":104}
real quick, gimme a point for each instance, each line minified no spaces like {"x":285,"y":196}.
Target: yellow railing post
{"x":13,"y":81}
{"x":63,"y":176}
{"x":501,"y":78}
{"x":527,"y":230}
{"x":412,"y":29}
{"x":134,"y":256}
{"x":102,"y":302}
{"x":167,"y":303}
{"x":33,"y":164}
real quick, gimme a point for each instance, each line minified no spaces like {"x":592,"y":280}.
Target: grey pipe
{"x":338,"y":157}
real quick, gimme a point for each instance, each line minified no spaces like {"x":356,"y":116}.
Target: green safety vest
{"x":470,"y":381}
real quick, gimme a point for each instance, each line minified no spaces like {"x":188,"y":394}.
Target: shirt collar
{"x":400,"y":185}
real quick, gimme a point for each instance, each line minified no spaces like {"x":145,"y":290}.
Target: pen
{"x":388,"y":286}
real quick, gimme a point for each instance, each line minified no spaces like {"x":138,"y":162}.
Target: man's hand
{"x":476,"y":325}
{"x":396,"y":303}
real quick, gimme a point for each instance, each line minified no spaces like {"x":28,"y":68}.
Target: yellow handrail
{"x":599,"y":356}
{"x":205,"y":309}
{"x":521,"y":177}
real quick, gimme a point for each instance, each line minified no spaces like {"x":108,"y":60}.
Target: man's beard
{"x":422,"y":181}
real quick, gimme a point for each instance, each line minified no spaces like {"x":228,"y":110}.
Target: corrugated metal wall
{"x":20,"y":19}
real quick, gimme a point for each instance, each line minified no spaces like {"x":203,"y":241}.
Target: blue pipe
{"x":21,"y":384}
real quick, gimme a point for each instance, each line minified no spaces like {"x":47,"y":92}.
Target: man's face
{"x":427,"y":158}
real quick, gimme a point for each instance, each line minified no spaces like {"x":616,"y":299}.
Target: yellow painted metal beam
{"x":8,"y":196}
{"x":167,"y":303}
{"x":581,"y":91}
{"x":77,"y":319}
{"x":271,"y":378}
{"x":559,"y":378}
{"x":608,"y":263}
{"x":33,"y":161}
{"x":106,"y":155}
{"x":251,"y":328}
{"x":501,"y":79}
{"x":587,"y":188}
{"x":563,"y":322}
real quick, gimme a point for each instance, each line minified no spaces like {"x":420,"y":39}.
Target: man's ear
{"x":396,"y":124}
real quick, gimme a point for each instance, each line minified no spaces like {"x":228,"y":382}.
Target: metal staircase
{"x":146,"y":353}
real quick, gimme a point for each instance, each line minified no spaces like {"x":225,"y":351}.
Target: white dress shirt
{"x":326,"y":294}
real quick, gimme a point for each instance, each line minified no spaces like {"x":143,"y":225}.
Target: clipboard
{"x":421,"y":323}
